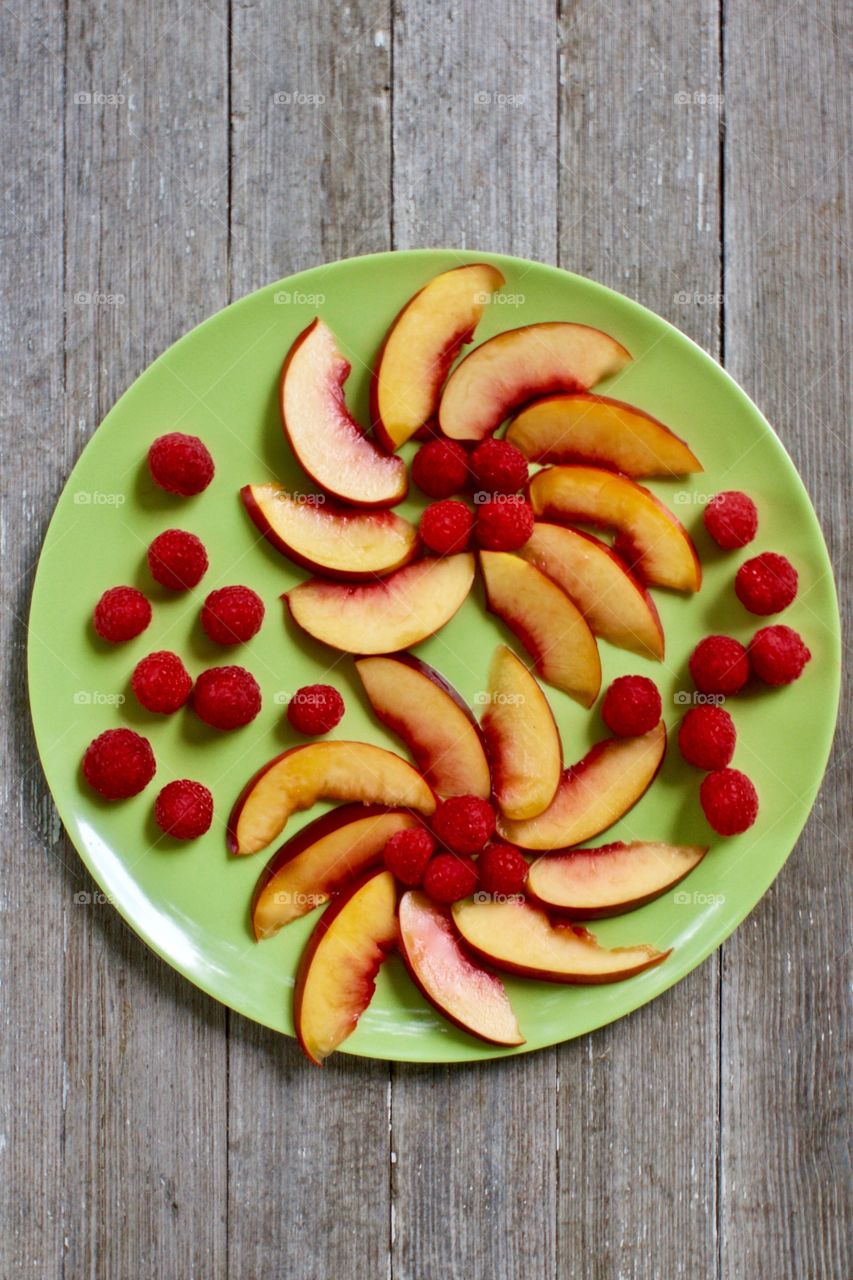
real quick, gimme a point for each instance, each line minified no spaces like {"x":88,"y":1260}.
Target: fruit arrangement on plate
{"x":469,"y":854}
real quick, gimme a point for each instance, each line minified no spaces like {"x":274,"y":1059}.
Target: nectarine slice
{"x":381,"y":617}
{"x":522,"y":739}
{"x":518,"y":365}
{"x":327,"y":441}
{"x":420,"y":347}
{"x":336,"y":978}
{"x":300,"y":777}
{"x":427,"y":713}
{"x":519,"y":938}
{"x":549,"y":625}
{"x":604,"y":432}
{"x":590,"y":883}
{"x":459,"y":989}
{"x":593,"y":794}
{"x":649,"y":538}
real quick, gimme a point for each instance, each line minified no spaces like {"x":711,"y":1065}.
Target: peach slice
{"x":604,"y":432}
{"x":298,"y":778}
{"x":336,"y":978}
{"x":518,"y":365}
{"x":615,"y":604}
{"x":519,"y":938}
{"x":381,"y":617}
{"x":590,"y":883}
{"x":461,"y":990}
{"x":649,"y":537}
{"x":320,"y":859}
{"x":593,"y":793}
{"x":327,"y":441}
{"x":427,"y":713}
{"x":522,"y":739}
{"x":420,"y":347}
{"x":330,"y":539}
{"x":548,"y":624}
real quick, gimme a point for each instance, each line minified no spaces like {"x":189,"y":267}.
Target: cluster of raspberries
{"x":495,"y":472}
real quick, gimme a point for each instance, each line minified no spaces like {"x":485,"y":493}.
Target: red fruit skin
{"x":119,"y":763}
{"x":778,"y":655}
{"x":449,"y":878}
{"x":180,"y":464}
{"x":161,"y":682}
{"x":446,"y":527}
{"x":464,"y":823}
{"x":226,"y":697}
{"x":184,"y":809}
{"x":504,"y":524}
{"x":232,"y":615}
{"x":315,"y":709}
{"x":631,"y":706}
{"x":707,"y":737}
{"x":177,"y":560}
{"x":719,"y":665}
{"x":729,"y":801}
{"x":502,"y":870}
{"x":731,"y":519}
{"x":440,"y":468}
{"x":766,"y":583}
{"x":499,"y":467}
{"x":407,"y":855}
{"x":121,"y":614}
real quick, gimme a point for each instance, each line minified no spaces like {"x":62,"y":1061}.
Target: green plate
{"x":190,"y":903}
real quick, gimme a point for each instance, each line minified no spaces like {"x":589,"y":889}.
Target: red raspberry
{"x":503,"y":870}
{"x":499,"y":467}
{"x":232,"y":615}
{"x":177,"y":560}
{"x":464,"y":823}
{"x":719,"y":665}
{"x":446,"y":527}
{"x":449,"y":878}
{"x":119,"y":763}
{"x":631,"y":706}
{"x":184,"y":809}
{"x":504,"y":524}
{"x":180,"y":464}
{"x":121,"y":613}
{"x":731,"y":519}
{"x":778,"y":654}
{"x":706,"y":737}
{"x":315,"y":709}
{"x":766,"y":583}
{"x":407,"y":854}
{"x":729,"y":801}
{"x":440,"y":468}
{"x":161,"y":682}
{"x":226,"y":697}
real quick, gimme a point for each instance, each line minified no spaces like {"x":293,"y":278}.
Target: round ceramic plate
{"x":190,"y":903}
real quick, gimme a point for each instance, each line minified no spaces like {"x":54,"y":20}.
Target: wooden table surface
{"x":161,"y":160}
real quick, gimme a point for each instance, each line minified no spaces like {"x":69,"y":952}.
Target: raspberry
{"x":631,"y":706}
{"x":729,"y":801}
{"x":706,"y":737}
{"x":120,"y":614}
{"x":499,"y":467}
{"x":226,"y":697}
{"x":449,"y":878}
{"x":731,"y":519}
{"x":504,"y":524}
{"x":440,"y":468}
{"x":778,"y":654}
{"x":184,"y":809}
{"x":719,"y":664}
{"x":177,"y":560}
{"x":464,"y":823}
{"x":232,"y":615}
{"x":180,"y":464}
{"x":407,"y":854}
{"x":446,"y":527}
{"x":766,"y":583}
{"x":503,"y":870}
{"x":119,"y":763}
{"x":315,"y":709}
{"x":161,"y":682}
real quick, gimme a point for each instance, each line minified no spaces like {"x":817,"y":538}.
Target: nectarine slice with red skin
{"x":338,"y":542}
{"x":298,"y":778}
{"x":519,"y":365}
{"x":320,"y":860}
{"x":336,"y":978}
{"x":426,"y":712}
{"x":616,"y":605}
{"x":549,"y":625}
{"x":593,"y":794}
{"x":603,"y":432}
{"x":394,"y":613}
{"x":461,"y":990}
{"x":522,"y":739}
{"x":325,"y":438}
{"x":588,"y":884}
{"x":420,"y":347}
{"x":658,"y":547}
{"x":519,"y":937}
